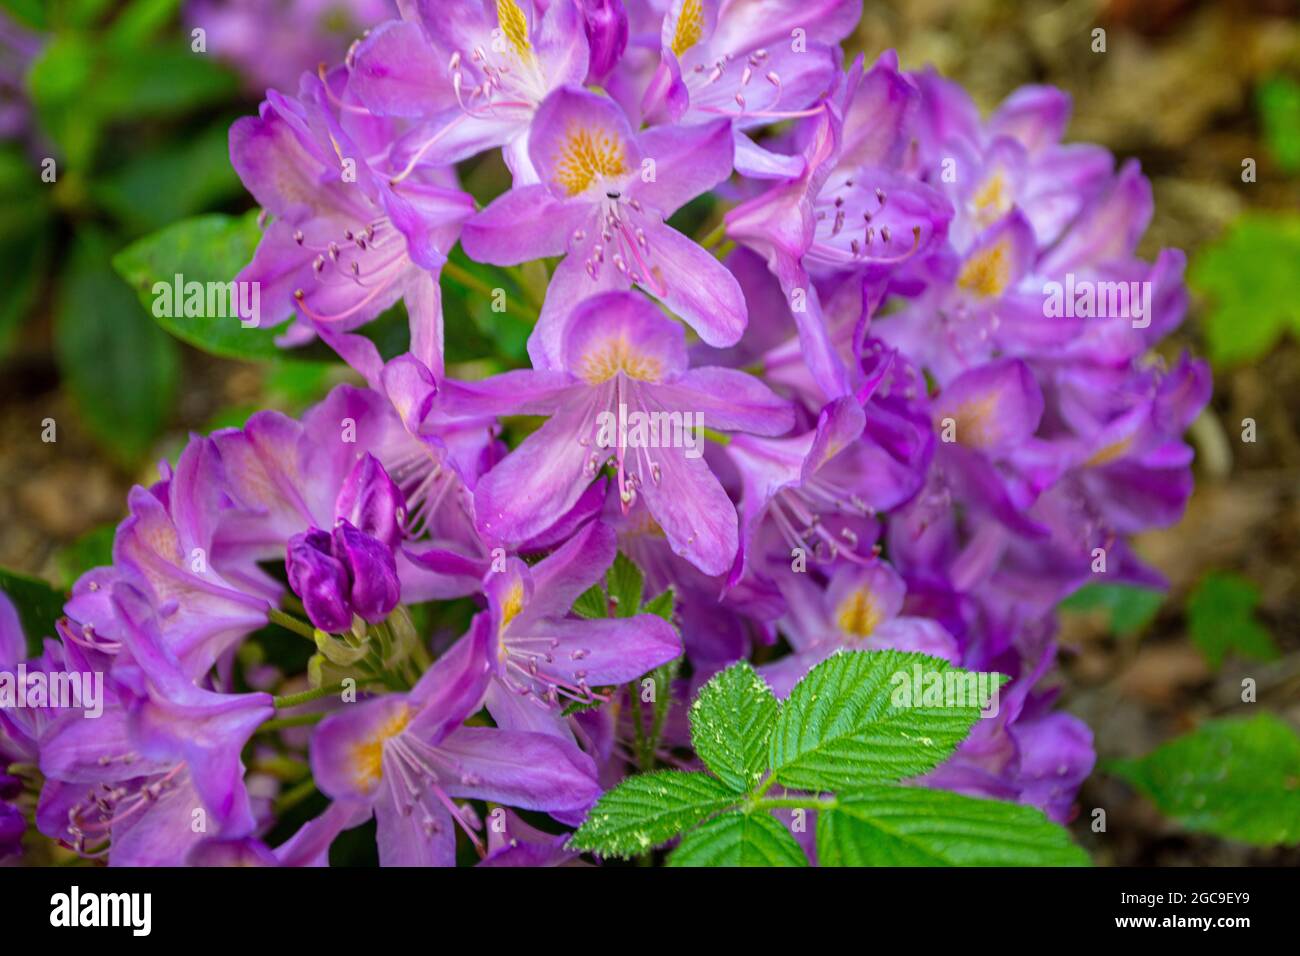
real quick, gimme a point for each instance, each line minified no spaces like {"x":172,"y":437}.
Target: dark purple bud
{"x":606,"y":22}
{"x":370,"y":501}
{"x":320,"y":580}
{"x":371,"y":569}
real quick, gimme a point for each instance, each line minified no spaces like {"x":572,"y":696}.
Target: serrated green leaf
{"x":841,"y":728}
{"x":1237,"y":778}
{"x":1129,"y":608}
{"x":1250,"y":277}
{"x":626,"y":583}
{"x":38,"y":606}
{"x":649,"y":809}
{"x":1221,"y":619}
{"x":122,"y":370}
{"x":916,"y":826}
{"x":739,"y":839}
{"x":592,"y":603}
{"x":211,"y":248}
{"x":731,"y":722}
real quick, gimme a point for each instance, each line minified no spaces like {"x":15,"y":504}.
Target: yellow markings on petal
{"x":1111,"y":452}
{"x":586,"y":156}
{"x":988,"y":273}
{"x":368,"y":756}
{"x":606,"y":359}
{"x":976,"y":427}
{"x":513,"y":604}
{"x":690,"y":26}
{"x":991,"y":200}
{"x":514,"y":27}
{"x":858,"y":614}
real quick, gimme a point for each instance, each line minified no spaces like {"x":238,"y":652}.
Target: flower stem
{"x":715,"y":235}
{"x":295,"y":795}
{"x":307,"y":696}
{"x":295,"y":720}
{"x":291,"y":623}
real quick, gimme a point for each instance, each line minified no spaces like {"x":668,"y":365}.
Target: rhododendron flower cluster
{"x":908,"y":443}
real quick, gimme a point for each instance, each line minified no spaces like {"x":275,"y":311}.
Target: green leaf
{"x":119,"y":366}
{"x":171,"y":181}
{"x":592,"y":603}
{"x":1221,"y":618}
{"x":1237,"y":778}
{"x":211,"y":248}
{"x":79,"y":84}
{"x":662,"y":605}
{"x":731,"y":721}
{"x":649,"y":809}
{"x":739,"y":839}
{"x":26,"y":239}
{"x":1278,"y":101}
{"x":626,"y":583}
{"x":916,"y":826}
{"x":93,"y":549}
{"x":38,"y":606}
{"x":841,"y":726}
{"x":1129,"y":608}
{"x":1250,"y":277}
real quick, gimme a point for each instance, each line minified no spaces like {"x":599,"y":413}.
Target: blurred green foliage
{"x":1235,"y":778}
{"x":1129,"y":609}
{"x":1221,"y":619}
{"x":1251,"y":279}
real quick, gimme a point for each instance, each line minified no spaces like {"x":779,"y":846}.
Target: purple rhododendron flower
{"x":407,"y":756}
{"x":542,"y":658}
{"x":893,"y":399}
{"x":619,"y":355}
{"x":602,"y":200}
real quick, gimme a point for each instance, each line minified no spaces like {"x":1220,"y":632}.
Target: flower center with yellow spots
{"x":988,"y":273}
{"x":588,"y":155}
{"x":510,"y":608}
{"x":991,"y":200}
{"x":514,"y":27}
{"x":602,"y":362}
{"x":975,"y":425}
{"x":858,"y":614}
{"x":690,"y":26}
{"x":368,"y":757}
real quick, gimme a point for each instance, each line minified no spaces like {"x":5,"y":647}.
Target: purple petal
{"x":519,"y":769}
{"x":570,"y":570}
{"x":525,"y":223}
{"x":582,"y":145}
{"x":371,"y":502}
{"x":542,"y":479}
{"x":695,"y":285}
{"x":395,"y":73}
{"x":689,"y":160}
{"x":320,"y":579}
{"x":374,"y":589}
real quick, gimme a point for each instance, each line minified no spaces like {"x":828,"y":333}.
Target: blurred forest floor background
{"x":1188,"y":88}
